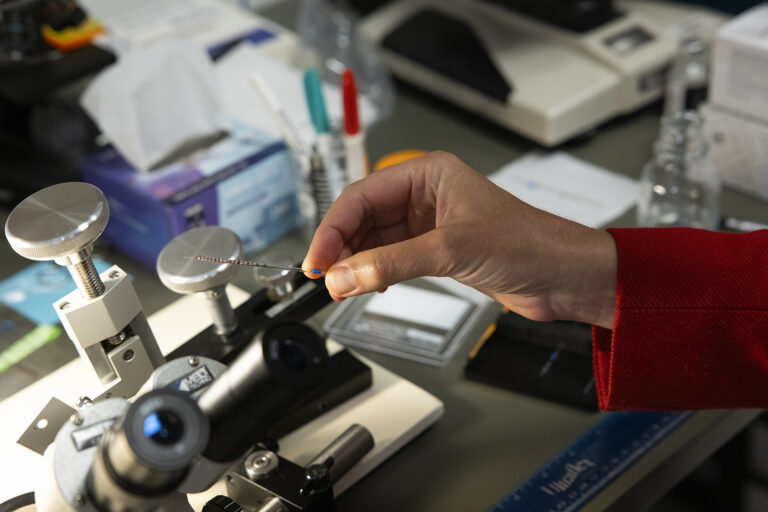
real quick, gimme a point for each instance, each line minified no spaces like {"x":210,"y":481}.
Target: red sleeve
{"x":691,"y":324}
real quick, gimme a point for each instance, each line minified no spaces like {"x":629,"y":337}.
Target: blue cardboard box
{"x":244,"y":184}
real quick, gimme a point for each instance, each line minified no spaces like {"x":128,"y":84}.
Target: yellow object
{"x":397,"y":157}
{"x":72,"y":38}
{"x":487,"y":334}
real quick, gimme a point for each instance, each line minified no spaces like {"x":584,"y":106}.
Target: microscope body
{"x":254,"y":375}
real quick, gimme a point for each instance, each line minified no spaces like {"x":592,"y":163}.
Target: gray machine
{"x":542,"y":78}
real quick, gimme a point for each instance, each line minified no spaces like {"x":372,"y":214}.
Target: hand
{"x":435,"y":216}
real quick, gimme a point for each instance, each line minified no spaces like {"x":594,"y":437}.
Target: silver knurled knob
{"x":61,"y":223}
{"x":278,"y":282}
{"x":181,"y":272}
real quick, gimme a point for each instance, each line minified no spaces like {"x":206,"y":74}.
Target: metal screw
{"x":193,"y":361}
{"x":117,"y":339}
{"x":128,"y":355}
{"x":178,"y":274}
{"x":84,"y":402}
{"x":76,"y":419}
{"x":114,"y":274}
{"x":261,"y":464}
{"x":78,"y":500}
{"x":61,"y":223}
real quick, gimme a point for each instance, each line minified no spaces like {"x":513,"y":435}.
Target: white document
{"x":242,"y":103}
{"x":136,"y":24}
{"x":418,"y":306}
{"x":569,"y":187}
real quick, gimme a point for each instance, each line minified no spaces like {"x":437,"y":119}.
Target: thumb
{"x":375,"y":269}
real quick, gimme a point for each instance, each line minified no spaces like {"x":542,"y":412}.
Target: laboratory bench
{"x":489,"y":440}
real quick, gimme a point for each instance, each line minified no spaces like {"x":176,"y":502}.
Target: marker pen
{"x":319,"y":117}
{"x":354,"y":137}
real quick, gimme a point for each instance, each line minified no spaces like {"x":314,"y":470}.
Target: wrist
{"x":587,"y":292}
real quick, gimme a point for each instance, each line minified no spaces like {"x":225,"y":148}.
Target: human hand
{"x":435,"y":216}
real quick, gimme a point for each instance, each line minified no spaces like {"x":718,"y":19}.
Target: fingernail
{"x":340,"y":280}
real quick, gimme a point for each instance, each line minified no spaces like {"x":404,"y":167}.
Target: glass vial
{"x":679,"y":186}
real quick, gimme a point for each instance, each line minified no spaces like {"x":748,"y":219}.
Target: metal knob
{"x":279,"y":283}
{"x":61,"y":223}
{"x":181,"y":272}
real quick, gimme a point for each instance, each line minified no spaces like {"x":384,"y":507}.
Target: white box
{"x":738,"y":148}
{"x":739,"y":80}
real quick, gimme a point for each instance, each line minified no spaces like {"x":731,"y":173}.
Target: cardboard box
{"x":738,"y":148}
{"x":245,"y":185}
{"x":739,"y":80}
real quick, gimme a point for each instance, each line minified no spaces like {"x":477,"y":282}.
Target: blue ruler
{"x":585,"y":468}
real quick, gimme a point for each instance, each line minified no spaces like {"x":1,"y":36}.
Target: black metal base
{"x":346,"y":376}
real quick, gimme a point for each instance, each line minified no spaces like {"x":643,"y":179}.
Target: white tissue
{"x":156,"y":100}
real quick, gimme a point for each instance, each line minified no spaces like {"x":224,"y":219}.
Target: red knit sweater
{"x":691,"y":325}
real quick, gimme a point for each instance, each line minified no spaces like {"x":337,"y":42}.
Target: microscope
{"x":211,"y":411}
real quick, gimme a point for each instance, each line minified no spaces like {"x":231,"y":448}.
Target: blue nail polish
{"x":316,"y":271}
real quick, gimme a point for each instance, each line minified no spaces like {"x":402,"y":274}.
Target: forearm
{"x":691,"y":322}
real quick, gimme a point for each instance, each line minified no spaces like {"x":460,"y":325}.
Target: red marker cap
{"x":349,"y":95}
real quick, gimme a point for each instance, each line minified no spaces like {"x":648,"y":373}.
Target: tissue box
{"x":740,"y":64}
{"x":738,"y":148}
{"x":247,"y":186}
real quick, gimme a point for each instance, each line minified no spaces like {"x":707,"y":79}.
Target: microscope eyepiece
{"x":163,"y":427}
{"x":150,"y":451}
{"x":261,"y":386}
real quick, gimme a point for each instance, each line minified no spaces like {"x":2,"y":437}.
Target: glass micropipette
{"x":254,"y":264}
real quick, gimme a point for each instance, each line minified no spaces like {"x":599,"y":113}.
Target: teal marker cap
{"x":313,"y":90}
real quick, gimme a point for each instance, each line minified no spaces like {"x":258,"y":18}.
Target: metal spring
{"x":321,"y":186}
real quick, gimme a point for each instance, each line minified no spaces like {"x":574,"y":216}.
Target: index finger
{"x":380,"y":200}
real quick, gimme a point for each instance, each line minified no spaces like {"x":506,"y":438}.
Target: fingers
{"x":386,"y":198}
{"x":376,"y":269}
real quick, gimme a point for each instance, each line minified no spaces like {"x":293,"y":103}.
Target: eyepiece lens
{"x":293,"y":355}
{"x":163,"y":427}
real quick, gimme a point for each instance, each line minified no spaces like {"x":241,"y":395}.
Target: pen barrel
{"x":357,"y":158}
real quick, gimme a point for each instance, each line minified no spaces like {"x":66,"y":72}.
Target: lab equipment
{"x":114,"y":455}
{"x":354,"y":137}
{"x":680,"y":186}
{"x":321,"y":186}
{"x":329,"y":151}
{"x":687,"y":69}
{"x":181,"y":275}
{"x":413,"y":323}
{"x":738,"y":149}
{"x":110,"y":455}
{"x":592,"y":462}
{"x":278,"y":281}
{"x":103,"y":316}
{"x":331,"y":42}
{"x":544,"y":78}
{"x":738,"y":51}
{"x":245,"y":263}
